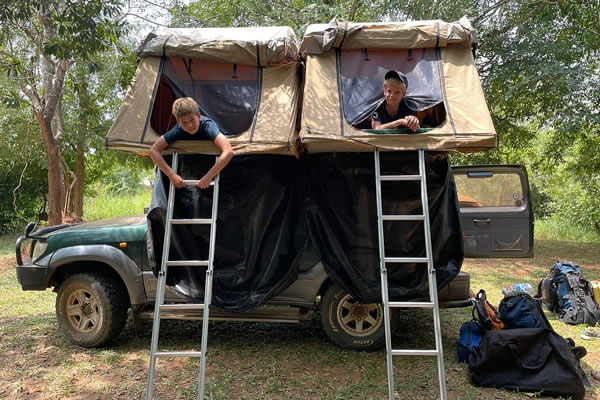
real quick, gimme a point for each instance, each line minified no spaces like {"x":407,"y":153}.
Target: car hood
{"x":119,"y":229}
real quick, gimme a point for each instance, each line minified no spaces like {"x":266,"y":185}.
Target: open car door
{"x":496,"y":211}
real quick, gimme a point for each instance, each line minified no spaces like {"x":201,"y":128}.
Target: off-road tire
{"x":353,"y":325}
{"x":91,"y":309}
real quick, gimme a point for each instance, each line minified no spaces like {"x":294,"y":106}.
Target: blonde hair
{"x":394,"y":82}
{"x":185,"y":106}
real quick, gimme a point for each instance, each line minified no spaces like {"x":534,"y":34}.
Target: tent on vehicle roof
{"x":246,"y":79}
{"x":345,"y":68}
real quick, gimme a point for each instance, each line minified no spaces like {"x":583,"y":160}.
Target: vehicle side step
{"x":261,"y":314}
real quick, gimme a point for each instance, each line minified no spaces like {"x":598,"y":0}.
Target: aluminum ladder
{"x":428,"y":259}
{"x":162,"y":280}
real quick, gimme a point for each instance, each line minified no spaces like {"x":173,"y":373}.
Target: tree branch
{"x":56,"y":88}
{"x":33,"y":97}
{"x":157,"y":5}
{"x":353,"y":10}
{"x":25,"y":145}
{"x":146,"y":19}
{"x":490,"y":10}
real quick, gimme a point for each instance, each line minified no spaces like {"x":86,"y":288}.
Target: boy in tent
{"x":394,"y":112}
{"x":191,"y":125}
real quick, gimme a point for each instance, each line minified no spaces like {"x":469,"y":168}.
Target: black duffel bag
{"x":527,"y":360}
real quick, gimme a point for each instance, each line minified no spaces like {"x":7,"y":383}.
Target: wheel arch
{"x":102,"y":259}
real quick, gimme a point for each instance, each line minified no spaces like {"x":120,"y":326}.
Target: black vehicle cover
{"x":270,"y":206}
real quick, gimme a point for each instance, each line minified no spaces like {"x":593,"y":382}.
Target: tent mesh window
{"x":227,"y":93}
{"x":362,"y":74}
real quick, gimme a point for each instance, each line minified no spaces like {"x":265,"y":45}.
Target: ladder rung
{"x":189,"y":263}
{"x":178,"y":354}
{"x":403,"y":217}
{"x":406,"y":259}
{"x":415,"y":352}
{"x":194,"y":182}
{"x":191,"y":221}
{"x":411,"y":304}
{"x":400,"y":178}
{"x":166,"y":307}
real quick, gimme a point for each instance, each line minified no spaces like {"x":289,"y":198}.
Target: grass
{"x":7,"y":244}
{"x":259,"y":360}
{"x":558,"y":229}
{"x":106,"y":204}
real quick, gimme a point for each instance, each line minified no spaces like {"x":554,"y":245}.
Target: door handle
{"x":482,"y":221}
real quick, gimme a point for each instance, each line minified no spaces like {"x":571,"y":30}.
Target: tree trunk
{"x":66,"y":200}
{"x":54,"y":171}
{"x":79,"y":181}
{"x":353,"y":10}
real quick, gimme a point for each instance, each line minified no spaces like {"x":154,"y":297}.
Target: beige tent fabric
{"x":468,"y":125}
{"x":273,"y":130}
{"x":273,"y":48}
{"x":321,"y":38}
{"x":260,"y":46}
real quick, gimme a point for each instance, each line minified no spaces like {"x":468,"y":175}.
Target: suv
{"x":101,"y":269}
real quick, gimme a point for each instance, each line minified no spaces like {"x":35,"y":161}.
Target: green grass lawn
{"x":258,"y":360}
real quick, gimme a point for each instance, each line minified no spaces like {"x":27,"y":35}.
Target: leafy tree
{"x":92,"y":96}
{"x":23,"y":185}
{"x":39,"y":41}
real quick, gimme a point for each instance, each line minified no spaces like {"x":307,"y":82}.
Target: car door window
{"x":489,"y":190}
{"x":495,"y":209}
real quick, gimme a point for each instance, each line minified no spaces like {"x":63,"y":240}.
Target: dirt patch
{"x":7,"y":264}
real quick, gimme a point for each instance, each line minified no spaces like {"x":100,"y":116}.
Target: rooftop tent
{"x":240,"y":78}
{"x":345,"y":65}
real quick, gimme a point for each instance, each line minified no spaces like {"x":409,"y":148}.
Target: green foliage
{"x":23,"y":173}
{"x":127,"y":178}
{"x":106,"y":204}
{"x":79,"y":28}
{"x":557,"y":228}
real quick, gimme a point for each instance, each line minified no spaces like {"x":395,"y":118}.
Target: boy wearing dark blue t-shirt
{"x":191,"y":126}
{"x":394,"y":113}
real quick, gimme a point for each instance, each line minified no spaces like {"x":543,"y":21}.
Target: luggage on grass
{"x":575,"y":296}
{"x":470,"y":337}
{"x":522,"y":311}
{"x":487,"y":315}
{"x":528,"y":360}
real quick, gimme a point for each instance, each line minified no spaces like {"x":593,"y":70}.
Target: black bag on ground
{"x":575,"y":295}
{"x":527,"y":360}
{"x":547,"y":294}
{"x":487,"y":315}
{"x":522,"y":311}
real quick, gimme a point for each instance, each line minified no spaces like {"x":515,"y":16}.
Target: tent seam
{"x":339,"y":85}
{"x":259,"y":72}
{"x":443,"y":87}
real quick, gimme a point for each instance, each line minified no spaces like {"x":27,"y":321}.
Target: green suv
{"x":101,"y":269}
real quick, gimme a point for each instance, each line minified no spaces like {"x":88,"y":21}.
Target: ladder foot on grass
{"x":162,"y":280}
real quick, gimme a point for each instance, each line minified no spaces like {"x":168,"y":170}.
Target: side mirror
{"x":32,"y":226}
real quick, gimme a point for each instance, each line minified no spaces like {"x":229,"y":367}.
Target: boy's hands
{"x":411,"y":122}
{"x":204,"y":182}
{"x":177,"y":181}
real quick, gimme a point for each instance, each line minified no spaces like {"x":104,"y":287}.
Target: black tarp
{"x":270,"y":206}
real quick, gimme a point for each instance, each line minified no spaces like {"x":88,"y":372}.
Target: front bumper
{"x":33,"y":277}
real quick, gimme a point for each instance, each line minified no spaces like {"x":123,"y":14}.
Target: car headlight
{"x":38,"y":249}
